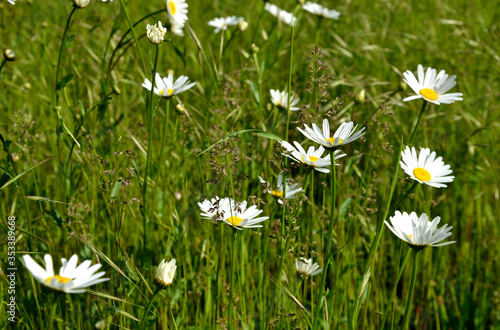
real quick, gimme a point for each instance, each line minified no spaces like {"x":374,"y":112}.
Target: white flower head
{"x":280,"y":99}
{"x":81,"y":3}
{"x":165,"y":273}
{"x":238,"y":216}
{"x":156,"y":35}
{"x":71,"y":279}
{"x":345,"y":134}
{"x":306,"y":268}
{"x":166,"y":87}
{"x":177,"y":11}
{"x":290,"y":189}
{"x":319,"y":10}
{"x":176,"y":28}
{"x":431,"y":86}
{"x":222,"y":23}
{"x":310,"y":158}
{"x":419,"y":231}
{"x":210,"y":208}
{"x":280,"y":14}
{"x":425,"y":167}
{"x":243,"y":25}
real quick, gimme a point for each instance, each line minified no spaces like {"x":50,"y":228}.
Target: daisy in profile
{"x":311,"y":158}
{"x":177,"y":29}
{"x":425,"y":167}
{"x":71,"y":279}
{"x":419,"y":231}
{"x":177,"y":11}
{"x":280,"y":14}
{"x":305,"y":267}
{"x":155,"y":34}
{"x":319,"y":10}
{"x":165,"y":273}
{"x":431,"y":86}
{"x":280,"y":99}
{"x":345,"y":134}
{"x":238,"y":216}
{"x":222,"y":23}
{"x":290,"y":189}
{"x":166,"y":87}
{"x":210,"y":208}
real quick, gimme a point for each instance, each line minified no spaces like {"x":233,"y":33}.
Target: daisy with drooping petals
{"x":425,"y":167}
{"x":177,"y":10}
{"x":290,"y":189}
{"x":306,"y":268}
{"x":280,"y":14}
{"x":165,"y":273}
{"x":419,"y":231}
{"x":319,"y":10}
{"x":310,"y":158}
{"x":166,"y":87}
{"x":280,"y":99}
{"x":431,"y":86}
{"x":71,"y":279}
{"x":156,"y":35}
{"x":238,"y":216}
{"x":222,"y":23}
{"x":343,"y":135}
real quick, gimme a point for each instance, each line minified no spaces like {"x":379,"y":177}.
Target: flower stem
{"x":416,"y":254}
{"x":418,"y":122}
{"x":233,"y":260}
{"x":3,"y":63}
{"x":61,"y":51}
{"x":146,"y":310}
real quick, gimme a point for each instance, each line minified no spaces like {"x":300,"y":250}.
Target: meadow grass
{"x":88,"y":197}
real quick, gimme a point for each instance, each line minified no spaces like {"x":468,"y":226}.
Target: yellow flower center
{"x":58,"y":278}
{"x":332,"y":141}
{"x":410,"y":237}
{"x":235,"y":221}
{"x":171,"y":5}
{"x":277,"y":193}
{"x":278,"y":103}
{"x":428,"y":94}
{"x":170,"y":91}
{"x":161,"y":92}
{"x":311,"y":158}
{"x":421,"y":174}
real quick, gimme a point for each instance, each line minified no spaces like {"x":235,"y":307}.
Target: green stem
{"x":418,"y":122}
{"x":3,"y":63}
{"x":233,"y":260}
{"x":150,"y":148}
{"x":394,"y":288}
{"x":416,"y":254}
{"x":165,"y":126}
{"x":146,"y":310}
{"x":61,"y":51}
{"x":133,"y":34}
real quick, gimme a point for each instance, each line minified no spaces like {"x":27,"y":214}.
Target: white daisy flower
{"x":156,"y":35}
{"x":319,"y":10}
{"x":280,"y":14}
{"x":419,"y":231}
{"x":310,"y":158}
{"x":222,"y":23}
{"x":306,"y":268}
{"x":81,"y":3}
{"x":343,"y":135}
{"x":238,"y":216}
{"x":165,"y":273}
{"x":290,"y":189}
{"x":177,"y":10}
{"x":71,"y":279}
{"x":176,"y":28}
{"x":280,"y":99}
{"x":166,"y":87}
{"x":210,"y":208}
{"x":425,"y":168}
{"x":431,"y":86}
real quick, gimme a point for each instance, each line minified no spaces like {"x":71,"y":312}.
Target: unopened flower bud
{"x":254,"y":48}
{"x":242,"y":25}
{"x":81,"y":3}
{"x":181,"y":108}
{"x":9,"y":55}
{"x":156,"y":35}
{"x":360,"y":97}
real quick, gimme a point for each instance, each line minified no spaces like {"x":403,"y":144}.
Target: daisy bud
{"x":254,"y":48}
{"x":165,"y":273}
{"x":81,"y":3}
{"x":242,"y":25}
{"x":181,"y":108}
{"x":156,"y":34}
{"x":361,"y":96}
{"x":9,"y":55}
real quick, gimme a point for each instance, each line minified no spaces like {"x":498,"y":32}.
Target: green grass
{"x":93,"y":189}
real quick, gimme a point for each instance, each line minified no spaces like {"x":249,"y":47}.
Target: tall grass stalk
{"x":422,"y":110}
{"x":148,"y":306}
{"x":416,"y":253}
{"x":63,"y":41}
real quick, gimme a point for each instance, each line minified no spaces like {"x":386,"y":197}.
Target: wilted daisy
{"x":156,"y":35}
{"x":238,"y":216}
{"x":425,"y":167}
{"x":280,"y":14}
{"x":310,"y":158}
{"x":165,"y":273}
{"x":210,"y":208}
{"x":431,"y":86}
{"x":166,"y":87}
{"x":280,"y":99}
{"x":319,"y":10}
{"x":71,"y":279}
{"x":306,"y":268}
{"x":177,"y":10}
{"x":222,"y":23}
{"x":419,"y":231}
{"x":290,"y":189}
{"x":343,"y":135}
